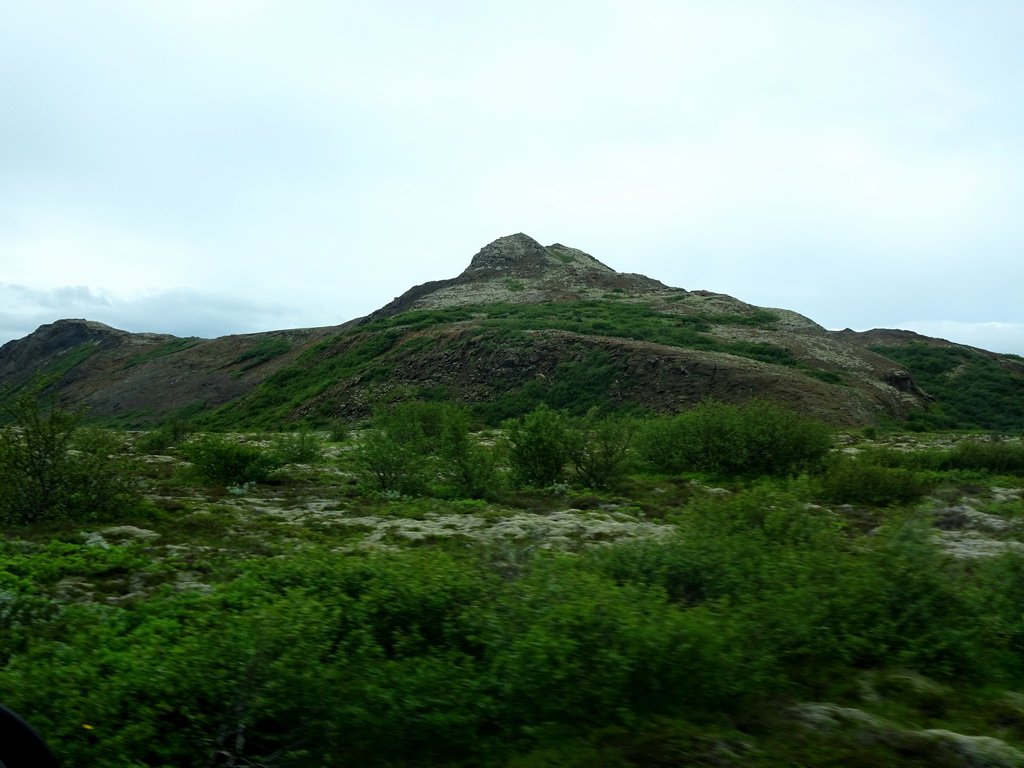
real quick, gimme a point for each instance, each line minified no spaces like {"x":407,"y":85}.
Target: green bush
{"x":320,"y":659}
{"x":999,"y":457}
{"x":220,"y":460}
{"x":303,"y":446}
{"x":469,"y":470}
{"x":921,"y":460}
{"x":854,"y":481}
{"x":53,"y":467}
{"x":994,"y":455}
{"x":104,"y":482}
{"x":600,"y":448}
{"x":392,"y":455}
{"x":425,"y":448}
{"x":172,"y":432}
{"x":338,"y":431}
{"x":757,"y":438}
{"x":800,"y":598}
{"x":540,"y":447}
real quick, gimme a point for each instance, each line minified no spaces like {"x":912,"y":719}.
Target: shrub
{"x":219,"y":460}
{"x":997,"y":456}
{"x":923,"y":460}
{"x":102,"y":478}
{"x":991,"y":456}
{"x":600,"y":448}
{"x":304,"y":446}
{"x":780,"y":442}
{"x":172,"y":432}
{"x":52,"y":467}
{"x":425,"y":448}
{"x":853,"y":481}
{"x":757,"y":438}
{"x":539,"y":447}
{"x":338,"y":431}
{"x":469,"y":470}
{"x":392,"y":455}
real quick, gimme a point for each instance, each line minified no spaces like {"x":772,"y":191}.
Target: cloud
{"x":853,"y":162}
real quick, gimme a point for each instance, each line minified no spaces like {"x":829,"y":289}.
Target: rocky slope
{"x":512,"y":320}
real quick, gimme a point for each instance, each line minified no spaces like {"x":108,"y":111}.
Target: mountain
{"x":523,"y":323}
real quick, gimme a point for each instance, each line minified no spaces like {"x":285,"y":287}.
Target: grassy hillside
{"x":972,"y":391}
{"x":372,"y":351}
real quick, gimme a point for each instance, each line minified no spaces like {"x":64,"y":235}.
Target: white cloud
{"x":178,"y":312}
{"x":857,"y":162}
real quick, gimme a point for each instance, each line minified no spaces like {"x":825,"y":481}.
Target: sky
{"x":210,"y":167}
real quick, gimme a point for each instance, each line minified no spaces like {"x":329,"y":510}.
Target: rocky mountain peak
{"x":520,"y":256}
{"x":508,"y":254}
{"x":518,"y":269}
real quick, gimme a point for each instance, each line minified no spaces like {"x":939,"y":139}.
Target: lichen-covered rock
{"x":978,"y":751}
{"x":124,"y":533}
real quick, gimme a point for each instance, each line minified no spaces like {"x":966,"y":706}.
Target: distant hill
{"x":971,"y":387}
{"x":523,"y":324}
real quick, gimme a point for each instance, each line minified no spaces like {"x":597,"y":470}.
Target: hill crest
{"x":521,"y":319}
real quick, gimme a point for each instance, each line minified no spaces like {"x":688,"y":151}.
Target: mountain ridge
{"x":518,"y":318}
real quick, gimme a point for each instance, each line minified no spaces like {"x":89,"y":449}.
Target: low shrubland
{"x":571,"y":590}
{"x":219,"y":460}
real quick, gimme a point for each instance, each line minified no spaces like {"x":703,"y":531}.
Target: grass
{"x":371,"y":350}
{"x":70,"y":359}
{"x":167,"y":348}
{"x":261,"y":352}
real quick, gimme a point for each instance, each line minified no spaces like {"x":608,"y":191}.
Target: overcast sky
{"x":206,"y":167}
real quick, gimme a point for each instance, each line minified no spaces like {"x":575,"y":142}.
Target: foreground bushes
{"x":430,"y":658}
{"x":53,"y":467}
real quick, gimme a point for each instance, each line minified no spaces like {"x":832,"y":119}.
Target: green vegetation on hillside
{"x":262,"y":351}
{"x":600,"y":318}
{"x":370,"y":351}
{"x":167,"y":348}
{"x":68,"y":360}
{"x":972,"y":390}
{"x":317,"y":369}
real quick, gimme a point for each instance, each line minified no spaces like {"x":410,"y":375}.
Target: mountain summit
{"x":517,"y":269}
